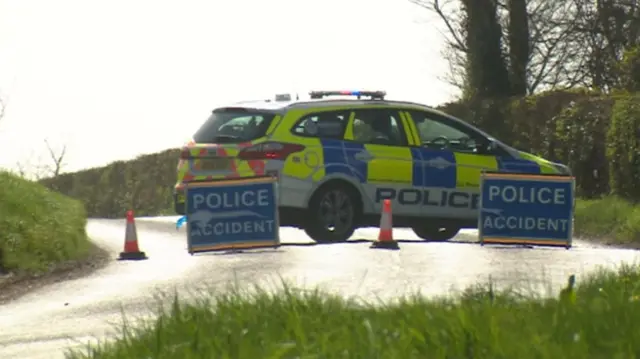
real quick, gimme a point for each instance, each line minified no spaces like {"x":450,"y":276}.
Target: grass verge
{"x":612,"y":220}
{"x":478,"y":324}
{"x":41,"y":230}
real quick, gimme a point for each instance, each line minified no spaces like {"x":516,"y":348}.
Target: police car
{"x":339,"y":154}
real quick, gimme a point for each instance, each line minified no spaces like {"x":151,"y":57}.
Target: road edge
{"x":13,"y":287}
{"x":608,"y":242}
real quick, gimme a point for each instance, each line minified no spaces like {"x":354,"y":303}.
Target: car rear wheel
{"x":178,"y":207}
{"x":332,"y":214}
{"x":435,"y":233}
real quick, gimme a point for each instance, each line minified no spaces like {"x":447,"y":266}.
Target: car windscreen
{"x":233,"y":125}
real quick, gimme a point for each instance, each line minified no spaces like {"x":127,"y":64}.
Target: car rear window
{"x":233,"y":125}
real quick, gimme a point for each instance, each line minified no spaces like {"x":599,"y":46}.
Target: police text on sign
{"x":527,"y":195}
{"x":232,"y":213}
{"x":531,"y":208}
{"x":233,"y":201}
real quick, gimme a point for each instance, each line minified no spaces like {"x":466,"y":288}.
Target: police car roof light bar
{"x":374,"y":95}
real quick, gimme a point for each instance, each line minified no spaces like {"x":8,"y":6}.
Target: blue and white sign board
{"x":526,"y":209}
{"x":232,"y":214}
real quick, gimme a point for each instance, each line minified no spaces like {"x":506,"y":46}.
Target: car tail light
{"x":269,"y":151}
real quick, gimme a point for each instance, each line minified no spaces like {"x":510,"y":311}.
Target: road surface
{"x":43,"y":323}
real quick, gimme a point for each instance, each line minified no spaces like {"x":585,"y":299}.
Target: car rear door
{"x":381,"y":144}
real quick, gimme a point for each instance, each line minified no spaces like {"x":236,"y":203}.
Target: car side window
{"x":441,"y":133}
{"x":378,"y":127}
{"x":328,"y":124}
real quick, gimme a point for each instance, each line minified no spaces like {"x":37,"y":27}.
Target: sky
{"x":111,"y":80}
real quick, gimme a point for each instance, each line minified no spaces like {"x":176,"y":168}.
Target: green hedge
{"x":623,"y":147}
{"x":38,"y":227}
{"x":563,"y":126}
{"x":144,"y":184}
{"x":610,"y":220}
{"x":579,"y":140}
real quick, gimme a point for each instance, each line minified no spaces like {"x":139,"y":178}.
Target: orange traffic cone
{"x":131,"y":250}
{"x":385,"y":237}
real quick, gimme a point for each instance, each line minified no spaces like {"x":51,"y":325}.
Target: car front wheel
{"x":435,"y":233}
{"x":332,"y":215}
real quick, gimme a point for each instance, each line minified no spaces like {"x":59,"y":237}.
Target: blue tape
{"x":182,"y":220}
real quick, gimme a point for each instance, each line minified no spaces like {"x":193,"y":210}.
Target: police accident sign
{"x":232,"y":214}
{"x":526,"y":209}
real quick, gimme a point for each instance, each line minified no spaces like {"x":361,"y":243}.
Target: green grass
{"x":38,"y":227}
{"x":480,"y":323}
{"x":611,"y":219}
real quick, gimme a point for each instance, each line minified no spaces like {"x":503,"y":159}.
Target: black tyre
{"x":333,"y":212}
{"x":178,"y":207}
{"x":435,"y":233}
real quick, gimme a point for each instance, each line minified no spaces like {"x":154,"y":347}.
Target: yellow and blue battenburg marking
{"x":442,"y":161}
{"x":443,"y":166}
{"x":518,"y":165}
{"x":339,"y":157}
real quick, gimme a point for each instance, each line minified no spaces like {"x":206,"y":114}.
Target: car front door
{"x":384,"y":147}
{"x":452,"y":157}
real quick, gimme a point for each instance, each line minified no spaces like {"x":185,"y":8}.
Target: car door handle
{"x":364,"y":156}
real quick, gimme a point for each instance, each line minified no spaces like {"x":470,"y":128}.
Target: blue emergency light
{"x":374,"y":95}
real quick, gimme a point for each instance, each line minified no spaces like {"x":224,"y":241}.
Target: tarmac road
{"x":45,"y":322}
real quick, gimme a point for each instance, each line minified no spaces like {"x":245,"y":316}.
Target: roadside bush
{"x":610,"y":219}
{"x":580,"y":142}
{"x":629,"y":69}
{"x":623,"y":147}
{"x":113,"y":201}
{"x":39,"y":228}
{"x":532,"y":121}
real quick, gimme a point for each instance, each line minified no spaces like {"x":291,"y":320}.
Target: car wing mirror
{"x":489,"y":146}
{"x":492,"y":146}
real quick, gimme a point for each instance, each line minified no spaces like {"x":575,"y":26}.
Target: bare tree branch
{"x":455,"y":49}
{"x":57,"y":158}
{"x":435,"y":6}
{"x":21,"y":170}
{"x":561,"y":34}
